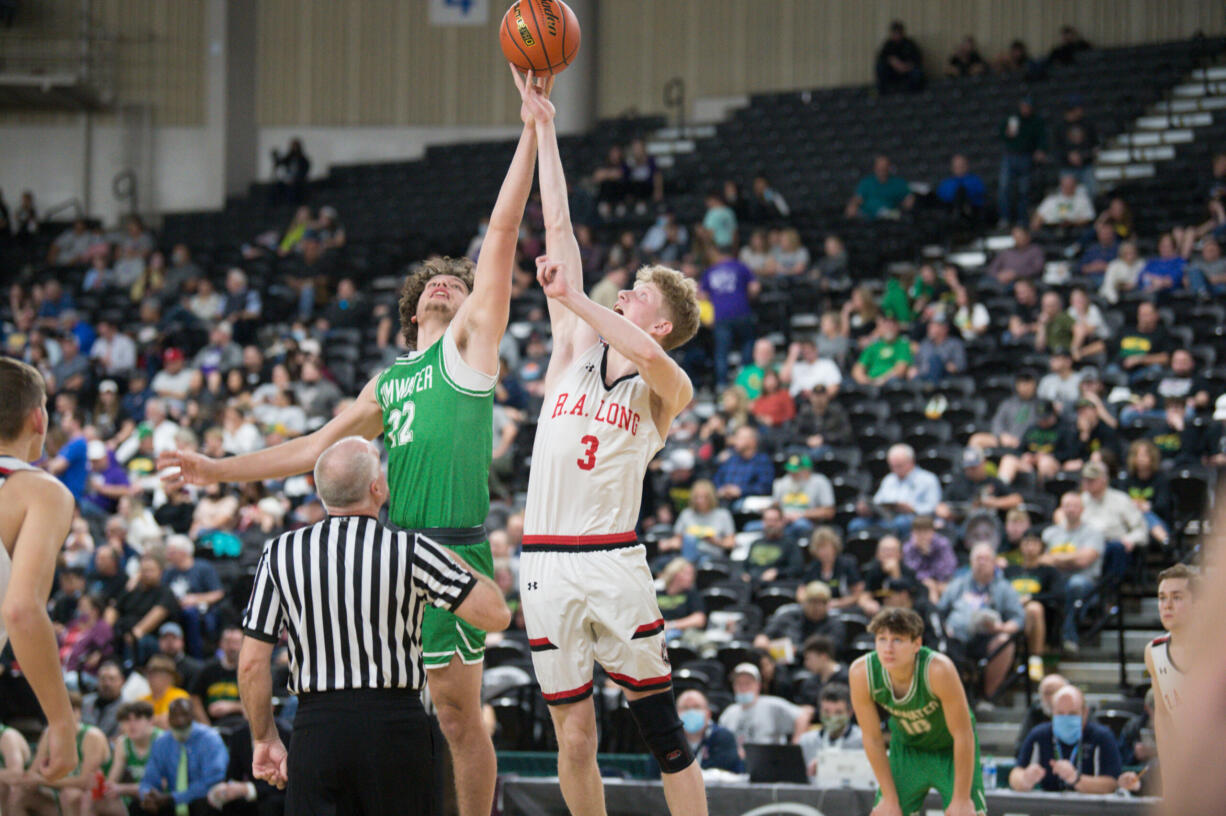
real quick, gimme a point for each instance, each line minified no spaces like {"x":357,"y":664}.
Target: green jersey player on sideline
{"x":434,"y":407}
{"x":932,"y":730}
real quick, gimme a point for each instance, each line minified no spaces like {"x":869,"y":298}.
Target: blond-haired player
{"x":611,"y":393}
{"x":1167,"y":657}
{"x":35,"y":512}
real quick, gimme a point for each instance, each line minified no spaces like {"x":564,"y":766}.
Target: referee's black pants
{"x":361,"y":752}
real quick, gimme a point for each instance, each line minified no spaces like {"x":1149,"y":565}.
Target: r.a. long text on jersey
{"x":593,"y":444}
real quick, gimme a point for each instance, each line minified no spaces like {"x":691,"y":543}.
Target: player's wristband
{"x":1076,"y":779}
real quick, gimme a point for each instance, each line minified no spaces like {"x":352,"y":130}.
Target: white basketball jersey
{"x":8,"y":466}
{"x":593,"y":443}
{"x":1168,"y":677}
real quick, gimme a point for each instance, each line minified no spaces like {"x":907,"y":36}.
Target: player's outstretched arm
{"x":874,"y":743}
{"x":570,"y":334}
{"x":668,"y":381}
{"x":49,"y":510}
{"x":363,"y":418}
{"x":482,"y":319}
{"x":945,"y":683}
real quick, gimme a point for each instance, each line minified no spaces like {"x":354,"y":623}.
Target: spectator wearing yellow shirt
{"x":164,"y":688}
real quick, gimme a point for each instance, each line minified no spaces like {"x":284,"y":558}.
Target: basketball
{"x":540,"y":35}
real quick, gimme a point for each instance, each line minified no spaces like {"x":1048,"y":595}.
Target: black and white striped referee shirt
{"x":350,"y":593}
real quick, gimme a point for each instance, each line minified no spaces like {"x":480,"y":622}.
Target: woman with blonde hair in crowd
{"x":1149,"y":488}
{"x":704,"y":529}
{"x":833,"y":568}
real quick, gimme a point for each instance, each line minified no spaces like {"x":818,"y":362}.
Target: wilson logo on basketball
{"x":551,"y":17}
{"x":524,"y":33}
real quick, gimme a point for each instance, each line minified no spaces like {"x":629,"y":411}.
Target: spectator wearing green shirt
{"x":886,"y":358}
{"x":720,"y":221}
{"x":750,"y":376}
{"x":880,"y":195}
{"x":1055,"y":325}
{"x":1024,"y":136}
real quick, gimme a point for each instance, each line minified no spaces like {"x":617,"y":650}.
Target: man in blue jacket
{"x":713,"y":745}
{"x":183,"y":765}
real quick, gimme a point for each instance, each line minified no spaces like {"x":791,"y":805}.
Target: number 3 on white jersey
{"x":400,"y":422}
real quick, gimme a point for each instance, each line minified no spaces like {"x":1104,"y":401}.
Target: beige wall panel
{"x":746,"y":46}
{"x":158,"y":47}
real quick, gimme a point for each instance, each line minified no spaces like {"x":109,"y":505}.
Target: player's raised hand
{"x":185,"y":467}
{"x":534,"y":93}
{"x":550,"y":275}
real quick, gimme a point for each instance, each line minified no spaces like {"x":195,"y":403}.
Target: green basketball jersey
{"x":134,"y":762}
{"x":917,"y":720}
{"x":438,"y":429}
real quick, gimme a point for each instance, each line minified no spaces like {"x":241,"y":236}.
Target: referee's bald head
{"x":348,"y":476}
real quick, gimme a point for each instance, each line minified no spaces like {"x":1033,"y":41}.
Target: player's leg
{"x":939,"y":768}
{"x":630,"y":645}
{"x":453,"y":651}
{"x":455,"y":690}
{"x":555,"y":614}
{"x":911,"y":779}
{"x":656,"y":715}
{"x":578,"y":774}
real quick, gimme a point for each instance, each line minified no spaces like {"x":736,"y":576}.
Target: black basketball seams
{"x":540,"y":33}
{"x":513,"y":34}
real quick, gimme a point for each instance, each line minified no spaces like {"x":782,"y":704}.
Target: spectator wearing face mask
{"x":1071,"y":753}
{"x":713,"y":745}
{"x":761,"y":718}
{"x":837,"y":732}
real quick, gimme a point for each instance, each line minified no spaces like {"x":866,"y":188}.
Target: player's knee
{"x":456,"y":719}
{"x":577,"y":740}
{"x":660,"y":726}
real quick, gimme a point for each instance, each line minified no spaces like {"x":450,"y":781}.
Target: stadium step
{"x":1102,"y":674}
{"x":1163,"y":121}
{"x":1216,"y":72}
{"x":1130,"y":154}
{"x":1197,"y":89}
{"x":997,"y":737}
{"x":1121,"y":172}
{"x":1106,"y":649}
{"x":1159,"y":137}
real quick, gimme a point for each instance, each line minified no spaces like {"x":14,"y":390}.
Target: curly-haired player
{"x":434,"y":407}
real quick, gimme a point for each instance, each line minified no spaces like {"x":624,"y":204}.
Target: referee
{"x":350,"y":592}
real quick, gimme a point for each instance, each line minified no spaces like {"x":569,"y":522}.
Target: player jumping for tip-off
{"x":434,"y":407}
{"x":611,"y":393}
{"x":932,"y":731}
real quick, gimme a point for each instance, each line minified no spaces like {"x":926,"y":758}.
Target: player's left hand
{"x":550,"y":275}
{"x":960,"y":807}
{"x":1130,"y":781}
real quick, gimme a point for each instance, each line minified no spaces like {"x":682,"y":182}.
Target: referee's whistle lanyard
{"x":1072,"y":758}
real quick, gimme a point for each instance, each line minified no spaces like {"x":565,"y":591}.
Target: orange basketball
{"x":539,"y":35}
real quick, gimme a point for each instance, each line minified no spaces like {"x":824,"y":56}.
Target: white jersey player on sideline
{"x":1167,"y":657}
{"x":35,"y":514}
{"x":612,"y":391}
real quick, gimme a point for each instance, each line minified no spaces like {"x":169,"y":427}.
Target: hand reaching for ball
{"x":534,"y":93}
{"x":550,"y":275}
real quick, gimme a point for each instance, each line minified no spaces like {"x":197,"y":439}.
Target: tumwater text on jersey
{"x":916,"y":714}
{"x":611,"y":413}
{"x":398,"y":390}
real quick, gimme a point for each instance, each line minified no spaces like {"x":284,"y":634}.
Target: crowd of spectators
{"x":983,"y":444}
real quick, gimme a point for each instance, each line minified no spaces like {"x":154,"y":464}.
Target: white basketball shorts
{"x":591,"y":598}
